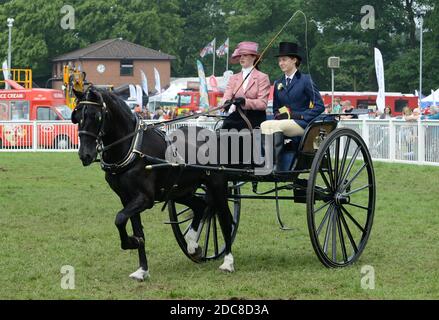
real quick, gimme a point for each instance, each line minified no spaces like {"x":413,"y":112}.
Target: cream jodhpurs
{"x":290,"y":128}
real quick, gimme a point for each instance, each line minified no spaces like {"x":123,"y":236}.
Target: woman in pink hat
{"x":252,"y":96}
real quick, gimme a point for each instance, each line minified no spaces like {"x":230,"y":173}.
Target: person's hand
{"x":226,"y":105}
{"x":232,"y":109}
{"x":240,"y":101}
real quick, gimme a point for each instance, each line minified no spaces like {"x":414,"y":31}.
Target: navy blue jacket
{"x":298,"y":97}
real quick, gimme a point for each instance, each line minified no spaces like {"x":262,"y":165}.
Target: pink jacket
{"x":256,"y":93}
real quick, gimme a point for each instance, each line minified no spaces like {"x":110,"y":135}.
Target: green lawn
{"x":54,"y":212}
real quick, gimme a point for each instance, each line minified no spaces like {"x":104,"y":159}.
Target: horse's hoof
{"x":140,"y":274}
{"x":228,"y":265}
{"x":197,"y":255}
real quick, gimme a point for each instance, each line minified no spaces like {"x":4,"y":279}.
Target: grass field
{"x":54,"y":212}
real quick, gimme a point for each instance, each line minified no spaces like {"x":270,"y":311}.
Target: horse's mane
{"x":115,"y":103}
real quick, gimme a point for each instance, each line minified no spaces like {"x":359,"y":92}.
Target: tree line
{"x":183,"y":27}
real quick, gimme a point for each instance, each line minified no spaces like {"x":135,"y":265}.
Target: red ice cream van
{"x":19,"y":109}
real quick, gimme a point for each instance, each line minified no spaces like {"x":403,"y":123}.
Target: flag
{"x":208,"y":49}
{"x":204,"y":96}
{"x":5,"y":73}
{"x":133,"y":93}
{"x":144,"y":82}
{"x":158,"y":86}
{"x":379,"y":69}
{"x":224,"y":49}
{"x":139,"y":96}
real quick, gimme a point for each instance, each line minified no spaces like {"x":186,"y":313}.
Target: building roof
{"x":114,"y":49}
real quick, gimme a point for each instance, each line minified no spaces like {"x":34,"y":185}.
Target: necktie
{"x":288,"y":81}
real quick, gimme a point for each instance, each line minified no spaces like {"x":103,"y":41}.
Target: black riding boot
{"x":277,"y":139}
{"x":278,"y":144}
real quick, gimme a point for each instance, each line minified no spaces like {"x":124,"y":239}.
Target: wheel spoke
{"x":357,"y":190}
{"x":200,"y":230}
{"x":215,"y":236}
{"x":336,"y":156}
{"x":348,"y":232}
{"x":331,"y":177}
{"x":328,"y":212}
{"x":326,"y":204}
{"x":206,"y":236}
{"x":183,"y":211}
{"x":334,"y":237}
{"x":325,"y":180}
{"x":340,"y":234}
{"x":325,"y":245}
{"x":358,"y":206}
{"x":352,"y":219}
{"x":186,"y":230}
{"x":355,"y":176}
{"x":351,"y":163}
{"x":345,"y":155}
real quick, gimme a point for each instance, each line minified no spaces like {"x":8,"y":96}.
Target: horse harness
{"x":135,"y":148}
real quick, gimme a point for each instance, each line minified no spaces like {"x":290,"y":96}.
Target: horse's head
{"x":89,"y":114}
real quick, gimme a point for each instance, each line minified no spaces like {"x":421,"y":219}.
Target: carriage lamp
{"x":333,"y":63}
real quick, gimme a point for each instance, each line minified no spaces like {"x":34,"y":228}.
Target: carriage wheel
{"x":340,"y":198}
{"x":212,"y":246}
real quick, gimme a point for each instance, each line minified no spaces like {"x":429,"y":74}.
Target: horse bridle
{"x":100,"y":132}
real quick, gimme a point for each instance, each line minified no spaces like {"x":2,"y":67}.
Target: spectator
{"x":410,"y":115}
{"x":328,"y":109}
{"x":434,"y":113}
{"x":348,"y":108}
{"x":337,"y":108}
{"x":387,"y":113}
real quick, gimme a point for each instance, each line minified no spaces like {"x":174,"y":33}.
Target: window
{"x":184,"y":100}
{"x":126,"y":68}
{"x":401,"y":104}
{"x":45,"y":113}
{"x":4,"y":111}
{"x":19,"y":110}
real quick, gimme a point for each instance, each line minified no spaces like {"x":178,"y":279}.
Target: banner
{"x":223,"y":49}
{"x":144,"y":82}
{"x":204,"y":96}
{"x":158,"y":86}
{"x":209,"y":49}
{"x":379,"y":69}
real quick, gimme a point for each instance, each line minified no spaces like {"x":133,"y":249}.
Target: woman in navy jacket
{"x":296,"y":101}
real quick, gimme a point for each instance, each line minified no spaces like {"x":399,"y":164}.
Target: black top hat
{"x":289,"y":49}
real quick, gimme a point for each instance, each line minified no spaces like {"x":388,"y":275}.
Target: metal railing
{"x":387,"y":140}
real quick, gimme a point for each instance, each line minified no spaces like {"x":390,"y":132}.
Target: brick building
{"x":115,"y":62}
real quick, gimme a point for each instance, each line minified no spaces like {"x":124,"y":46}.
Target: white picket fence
{"x":388,"y":140}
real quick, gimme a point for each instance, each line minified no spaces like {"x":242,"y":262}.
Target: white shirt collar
{"x":291,"y":77}
{"x":246,"y":71}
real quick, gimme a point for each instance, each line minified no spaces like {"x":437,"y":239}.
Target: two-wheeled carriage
{"x":331,"y":172}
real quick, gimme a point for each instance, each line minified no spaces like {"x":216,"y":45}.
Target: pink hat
{"x":245,"y":47}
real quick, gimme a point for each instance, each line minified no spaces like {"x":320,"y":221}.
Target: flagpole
{"x":227,"y":61}
{"x":214,"y":54}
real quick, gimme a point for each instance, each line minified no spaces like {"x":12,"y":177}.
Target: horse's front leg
{"x":130,"y":211}
{"x":141,"y":273}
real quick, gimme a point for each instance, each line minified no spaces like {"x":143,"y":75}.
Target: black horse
{"x":107,"y":127}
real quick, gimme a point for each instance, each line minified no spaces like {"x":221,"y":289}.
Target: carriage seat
{"x":299,"y":152}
